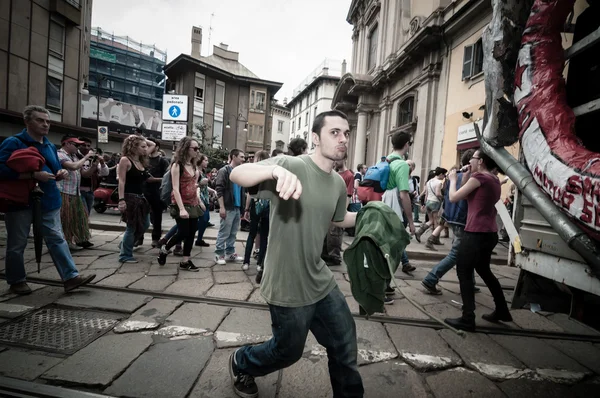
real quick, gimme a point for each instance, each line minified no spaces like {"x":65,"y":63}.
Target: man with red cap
{"x":18,"y":219}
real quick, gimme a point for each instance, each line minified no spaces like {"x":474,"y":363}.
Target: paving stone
{"x":420,"y":297}
{"x":353,"y":305}
{"x":533,"y":389}
{"x":530,"y":320}
{"x":215,"y":381}
{"x":190,"y":287}
{"x":203,"y":262}
{"x":104,"y":300}
{"x":25,"y":365}
{"x":226,"y":277}
{"x":111,"y":261}
{"x":168,"y":369}
{"x":102,"y":361}
{"x":459,"y":383}
{"x":165,"y":270}
{"x":199,"y":316}
{"x":374,"y":345}
{"x":589,"y":388}
{"x":256,"y":297}
{"x":484,"y":355}
{"x":423,"y":348}
{"x":150,"y":316}
{"x":243,"y":326}
{"x":404,"y":309}
{"x":13,"y":310}
{"x":153,"y":283}
{"x":41,"y":297}
{"x":391,"y":379}
{"x":548,"y":362}
{"x":570,"y":325}
{"x":344,"y":287}
{"x":308,"y":375}
{"x":100,"y":274}
{"x":83,"y":261}
{"x":233,"y":291}
{"x":203,"y":273}
{"x":584,"y":353}
{"x":121,"y":280}
{"x":229,"y":267}
{"x":134,"y":268}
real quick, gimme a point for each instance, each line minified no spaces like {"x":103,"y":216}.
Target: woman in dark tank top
{"x":133,"y":206}
{"x":481,"y":189}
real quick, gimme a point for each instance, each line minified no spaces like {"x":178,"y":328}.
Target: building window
{"x":54,"y":93}
{"x":316,"y":93}
{"x":199,"y":93}
{"x":299,"y":122}
{"x":220,"y":93}
{"x":199,"y":87}
{"x":293,"y":125}
{"x":405,"y":111}
{"x":280,"y":126}
{"x":472,"y":60}
{"x":255,"y":133}
{"x":217,"y":140}
{"x":57,"y":39}
{"x":257,"y":100}
{"x":306,"y":120}
{"x":315,"y":113}
{"x":373,"y":36}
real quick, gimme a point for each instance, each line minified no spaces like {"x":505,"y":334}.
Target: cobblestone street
{"x":168,"y":336}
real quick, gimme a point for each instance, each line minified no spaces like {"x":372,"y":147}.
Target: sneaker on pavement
{"x":78,"y":281}
{"x":188,"y":266}
{"x":408,"y":267}
{"x":162,"y":256}
{"x":234,"y":257}
{"x":245,"y":267}
{"x":202,"y":243}
{"x":388,"y":300}
{"x":259,"y":277}
{"x":243,"y":385}
{"x":390,"y":291}
{"x":86,"y":245}
{"x":258,"y":267}
{"x":220,"y":260}
{"x":431,"y":289}
{"x":21,"y":288}
{"x":178,"y":251}
{"x":130,"y":261}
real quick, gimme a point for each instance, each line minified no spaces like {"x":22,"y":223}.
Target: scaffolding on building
{"x":127,"y":43}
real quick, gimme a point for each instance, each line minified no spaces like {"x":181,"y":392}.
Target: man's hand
{"x":44,"y":176}
{"x":452,"y":176}
{"x":222,"y":212}
{"x":183,"y":214}
{"x":61,"y":174}
{"x":122,"y":206}
{"x":89,"y":154}
{"x":411,"y":227}
{"x":288,"y":184}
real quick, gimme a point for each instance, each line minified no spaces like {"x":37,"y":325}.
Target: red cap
{"x":74,"y":140}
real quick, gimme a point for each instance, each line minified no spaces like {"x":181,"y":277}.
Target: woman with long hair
{"x":433,"y":203}
{"x":258,"y":212}
{"x":134,"y":208}
{"x":481,"y":188}
{"x":204,"y":194}
{"x":185,"y":206}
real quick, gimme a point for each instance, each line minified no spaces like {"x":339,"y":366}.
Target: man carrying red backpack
{"x":18,"y":218}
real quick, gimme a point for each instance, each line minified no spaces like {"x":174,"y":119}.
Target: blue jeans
{"x":202,"y":224}
{"x":87,"y":197}
{"x":332,"y":325}
{"x":171,"y":232}
{"x":449,"y":261}
{"x":404,"y":258}
{"x":227,"y":233}
{"x":18,"y":224}
{"x":129,"y":241}
{"x":415,"y":212}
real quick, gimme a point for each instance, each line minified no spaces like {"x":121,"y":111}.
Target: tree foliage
{"x":217,"y":156}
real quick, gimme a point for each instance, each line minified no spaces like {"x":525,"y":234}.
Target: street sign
{"x":102,"y":55}
{"x":173,"y":131}
{"x":102,"y":135}
{"x":175,"y":108}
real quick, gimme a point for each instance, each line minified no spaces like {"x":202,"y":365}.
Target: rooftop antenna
{"x":210,"y":29}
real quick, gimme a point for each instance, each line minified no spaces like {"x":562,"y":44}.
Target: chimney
{"x":325,"y":71}
{"x":285,"y":101}
{"x":196,"y":41}
{"x":224,"y":46}
{"x":343,"y":67}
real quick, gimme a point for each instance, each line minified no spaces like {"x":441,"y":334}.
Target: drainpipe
{"x":574,"y":236}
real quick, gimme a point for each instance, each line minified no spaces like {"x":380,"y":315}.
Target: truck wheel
{"x":100,"y":208}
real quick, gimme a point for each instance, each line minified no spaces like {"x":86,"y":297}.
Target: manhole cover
{"x":57,"y":329}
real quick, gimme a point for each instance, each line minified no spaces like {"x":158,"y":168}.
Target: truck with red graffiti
{"x":546,"y":95}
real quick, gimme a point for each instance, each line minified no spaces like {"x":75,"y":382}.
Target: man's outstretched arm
{"x":251,"y":174}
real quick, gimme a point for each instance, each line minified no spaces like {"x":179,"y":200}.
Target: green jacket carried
{"x":374,"y":255}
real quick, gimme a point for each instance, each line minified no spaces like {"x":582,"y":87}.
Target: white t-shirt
{"x":432,"y":189}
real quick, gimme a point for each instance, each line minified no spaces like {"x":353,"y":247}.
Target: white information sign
{"x":102,"y":134}
{"x":175,"y":108}
{"x":466,"y":132}
{"x":173,"y":131}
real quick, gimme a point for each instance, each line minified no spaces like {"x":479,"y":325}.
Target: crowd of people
{"x":310,"y":199}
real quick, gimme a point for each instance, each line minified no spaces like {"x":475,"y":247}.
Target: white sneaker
{"x":245,"y":267}
{"x":258,"y":268}
{"x":220,"y":259}
{"x":234,"y":257}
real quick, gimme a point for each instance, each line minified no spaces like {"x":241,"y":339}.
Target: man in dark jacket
{"x":231,"y":199}
{"x":455,"y":214}
{"x":18,"y":220}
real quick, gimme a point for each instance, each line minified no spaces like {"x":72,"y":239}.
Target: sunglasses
{"x":475,"y":157}
{"x":195,"y":148}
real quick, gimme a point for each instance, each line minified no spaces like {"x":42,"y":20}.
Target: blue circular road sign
{"x":174,"y":111}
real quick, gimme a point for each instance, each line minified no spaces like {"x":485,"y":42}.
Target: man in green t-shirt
{"x":306,"y":197}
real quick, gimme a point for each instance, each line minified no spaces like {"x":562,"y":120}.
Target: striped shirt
{"x":70,"y":185}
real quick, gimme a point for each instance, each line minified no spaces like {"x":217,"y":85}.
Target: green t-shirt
{"x":294,"y":274}
{"x":399,"y":173}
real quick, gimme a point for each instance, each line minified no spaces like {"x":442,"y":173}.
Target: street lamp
{"x":238,"y":118}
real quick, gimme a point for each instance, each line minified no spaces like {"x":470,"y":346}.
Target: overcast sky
{"x":278,"y":40}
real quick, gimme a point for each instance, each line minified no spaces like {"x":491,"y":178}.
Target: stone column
{"x":361,"y":138}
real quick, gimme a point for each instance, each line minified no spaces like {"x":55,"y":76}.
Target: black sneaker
{"x":431,"y":289}
{"x":243,"y":385}
{"x":86,"y":245}
{"x":388,"y":300}
{"x":408,"y":268}
{"x":202,"y":243}
{"x":390,"y":291}
{"x":259,"y":277}
{"x":188,"y":266}
{"x":461,"y":324}
{"x":162,"y":256}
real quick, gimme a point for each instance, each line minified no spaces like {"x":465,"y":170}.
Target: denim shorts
{"x":433,"y":206}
